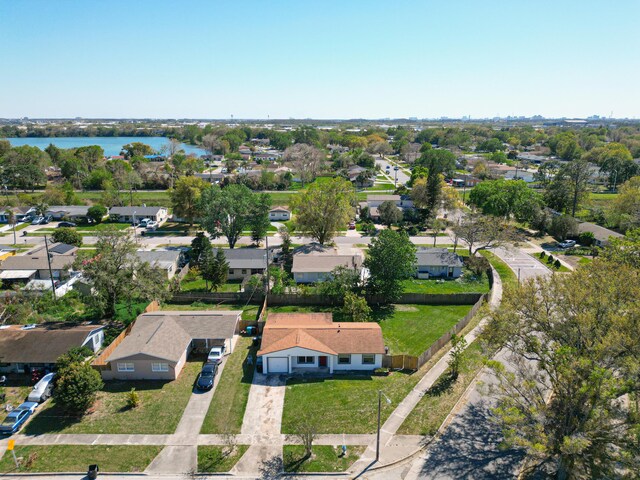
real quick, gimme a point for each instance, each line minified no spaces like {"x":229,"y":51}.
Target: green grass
{"x":249,"y":312}
{"x":344,"y":403}
{"x":407,"y":329}
{"x":162,"y":404}
{"x":465,"y":284}
{"x":227,"y":408}
{"x":551,"y":266}
{"x":16,"y":390}
{"x":506,"y":274}
{"x":324,"y":458}
{"x":214,"y":459}
{"x":281,"y":198}
{"x":585,"y":261}
{"x":199,"y":285}
{"x":76,"y":458}
{"x":435,"y":405}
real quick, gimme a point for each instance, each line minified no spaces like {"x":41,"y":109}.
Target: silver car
{"x":43,"y":389}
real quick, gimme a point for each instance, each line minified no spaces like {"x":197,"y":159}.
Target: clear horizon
{"x":319,"y":61}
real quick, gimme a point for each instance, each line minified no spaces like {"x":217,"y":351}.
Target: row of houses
{"x":79,"y":213}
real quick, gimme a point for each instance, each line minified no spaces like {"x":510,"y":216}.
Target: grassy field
{"x":249,"y":312}
{"x":281,"y":198}
{"x":506,"y":274}
{"x":162,"y":404}
{"x":407,"y":329}
{"x":465,"y":284}
{"x":77,"y":458}
{"x":199,"y":285}
{"x":212,"y":459}
{"x":435,"y":405}
{"x":227,"y":408}
{"x":343,"y":403}
{"x":324,"y":458}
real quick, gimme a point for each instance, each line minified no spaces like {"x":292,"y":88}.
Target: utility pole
{"x":266,"y":241}
{"x":53,"y":283}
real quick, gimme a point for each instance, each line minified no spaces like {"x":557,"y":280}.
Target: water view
{"x":111,"y":145}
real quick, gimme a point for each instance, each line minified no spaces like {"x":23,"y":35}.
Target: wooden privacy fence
{"x":100,"y":363}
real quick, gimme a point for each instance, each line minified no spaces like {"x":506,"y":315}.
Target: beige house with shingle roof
{"x":299,"y":342}
{"x":160,"y":342}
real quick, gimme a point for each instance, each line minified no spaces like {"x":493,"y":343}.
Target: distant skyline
{"x":321,"y":60}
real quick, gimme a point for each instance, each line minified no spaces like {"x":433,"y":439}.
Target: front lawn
{"x":506,"y":274}
{"x":77,"y":458}
{"x":214,"y":459}
{"x":407,"y":329}
{"x":161,"y":406}
{"x":343,"y":403}
{"x":227,"y":408}
{"x":324,"y":458}
{"x":16,"y":390}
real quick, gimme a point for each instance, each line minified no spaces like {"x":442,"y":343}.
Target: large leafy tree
{"x":136,"y":149}
{"x":307,"y":161}
{"x":390,"y":260}
{"x":185,"y":197}
{"x":570,"y":394}
{"x":615,"y":160}
{"x":439,"y":163}
{"x":215,"y":269}
{"x":226,"y":211}
{"x":569,"y":187}
{"x":505,"y":198}
{"x":118,"y":275}
{"x":482,"y":232}
{"x":323,"y":208}
{"x":389,"y":213}
{"x":70,"y":236}
{"x":625,"y":210}
{"x":23,"y":167}
{"x":200,"y":249}
{"x":77,"y":383}
{"x":259,"y":217}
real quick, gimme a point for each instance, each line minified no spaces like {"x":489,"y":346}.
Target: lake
{"x":111,"y":145}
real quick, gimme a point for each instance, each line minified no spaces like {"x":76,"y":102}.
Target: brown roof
{"x":42,"y":344}
{"x":324,"y":263}
{"x":319,"y":333}
{"x":37,"y":262}
{"x":167,"y":334}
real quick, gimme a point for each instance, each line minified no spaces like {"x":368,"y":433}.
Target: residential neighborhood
{"x":229,"y":248}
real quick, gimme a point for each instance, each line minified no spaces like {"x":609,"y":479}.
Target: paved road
{"x":469,"y":447}
{"x":402,"y":176}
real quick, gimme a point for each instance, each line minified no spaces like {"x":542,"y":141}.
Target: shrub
{"x":133,"y":399}
{"x":478,"y":265}
{"x":586,"y":238}
{"x":542,"y":255}
{"x":557,"y":264}
{"x":76,"y":387}
{"x":66,"y":235}
{"x":550,"y":259}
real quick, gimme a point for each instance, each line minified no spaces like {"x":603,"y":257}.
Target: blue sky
{"x":329,"y":59}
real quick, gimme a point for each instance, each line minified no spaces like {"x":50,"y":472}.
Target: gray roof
{"x":245,"y":257}
{"x":600,"y":233}
{"x":324,"y":263}
{"x":37,"y":262}
{"x":437,"y":257}
{"x":384,"y":198}
{"x":167,"y":334}
{"x":139,"y":211}
{"x":73,"y":210}
{"x":159,"y":258}
{"x":62,"y":248}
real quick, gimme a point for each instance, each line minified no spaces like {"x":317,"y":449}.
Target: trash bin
{"x":251,"y":330}
{"x":92,"y":474}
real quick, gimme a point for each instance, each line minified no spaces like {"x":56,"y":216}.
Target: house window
{"x":126,"y":367}
{"x":368,"y":359}
{"x":306,"y":360}
{"x":159,"y":367}
{"x":231,"y":271}
{"x":244,"y":271}
{"x":344,"y":359}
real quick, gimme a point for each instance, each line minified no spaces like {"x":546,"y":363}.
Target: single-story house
{"x":35,"y":266}
{"x":212,"y":178}
{"x":313,"y":268}
{"x":169,"y":261}
{"x":127,"y":214}
{"x":69,"y":212}
{"x":159,"y":343}
{"x":244,"y":262}
{"x":313,"y":342}
{"x":279,"y":214}
{"x":438,"y":262}
{"x":55,"y":249}
{"x":403,"y":202}
{"x":600,"y":234}
{"x":21,"y":214}
{"x":40,"y":345}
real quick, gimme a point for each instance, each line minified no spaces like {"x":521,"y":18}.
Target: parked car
{"x":66,"y":225}
{"x":152,"y":225}
{"x":207,"y":375}
{"x":37,"y":221}
{"x":43,"y":389}
{"x":144,"y":222}
{"x":567,"y":244}
{"x":215,"y":354}
{"x":17,"y":418}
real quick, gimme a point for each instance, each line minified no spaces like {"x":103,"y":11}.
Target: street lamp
{"x":395,"y":182}
{"x":135,"y":230}
{"x":388,"y":400}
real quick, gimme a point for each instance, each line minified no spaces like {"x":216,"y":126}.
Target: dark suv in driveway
{"x":207,"y":375}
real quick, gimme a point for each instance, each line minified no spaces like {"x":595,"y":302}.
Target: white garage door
{"x":278,"y":365}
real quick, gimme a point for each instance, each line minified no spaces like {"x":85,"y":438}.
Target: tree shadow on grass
{"x":271,"y":468}
{"x":443,"y":385}
{"x":292,"y":463}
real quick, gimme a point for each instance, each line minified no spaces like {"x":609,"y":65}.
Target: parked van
{"x":43,"y":389}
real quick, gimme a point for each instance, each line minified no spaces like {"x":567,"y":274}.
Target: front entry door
{"x":322,"y":361}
